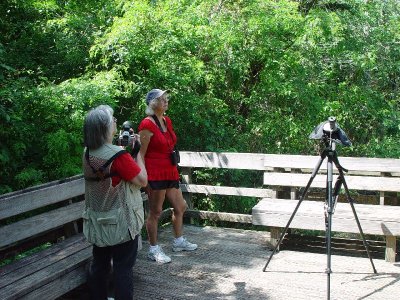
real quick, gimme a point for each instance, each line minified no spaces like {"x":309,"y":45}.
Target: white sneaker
{"x":184,"y":245}
{"x":158,"y":255}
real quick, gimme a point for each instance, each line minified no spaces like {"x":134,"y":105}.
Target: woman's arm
{"x":145,"y":136}
{"x":141,"y":178}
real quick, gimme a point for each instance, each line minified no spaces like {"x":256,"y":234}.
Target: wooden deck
{"x":229,"y":262}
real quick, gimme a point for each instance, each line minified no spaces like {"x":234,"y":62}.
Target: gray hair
{"x":151,"y":106}
{"x":98,"y":126}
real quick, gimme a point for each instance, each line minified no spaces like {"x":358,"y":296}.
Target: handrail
{"x":360,"y":164}
{"x":14,"y":203}
{"x":227,"y":160}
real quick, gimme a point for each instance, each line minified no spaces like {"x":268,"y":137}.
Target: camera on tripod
{"x":331,"y":134}
{"x":330,"y":131}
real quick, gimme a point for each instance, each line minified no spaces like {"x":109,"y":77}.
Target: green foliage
{"x":225,"y":177}
{"x":25,"y":254}
{"x":246,"y":76}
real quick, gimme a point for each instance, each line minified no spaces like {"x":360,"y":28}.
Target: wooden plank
{"x":374,"y":219}
{"x":247,"y":161}
{"x":41,"y":260}
{"x":390,"y":184}
{"x":60,"y":285}
{"x":27,"y":261}
{"x":390,"y":253}
{"x":28,"y":228}
{"x":274,"y":237}
{"x":40,"y":186}
{"x":340,"y":246}
{"x":218,"y":216}
{"x":44,"y":276}
{"x":15,"y":203}
{"x":314,"y":208}
{"x":308,"y":162}
{"x":226,"y":190}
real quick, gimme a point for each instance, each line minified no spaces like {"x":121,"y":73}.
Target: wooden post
{"x":293,"y":194}
{"x":292,"y":189}
{"x":381,"y":198}
{"x":276,"y":189}
{"x":276,"y":233}
{"x":390,"y":252}
{"x":382,"y":193}
{"x":187,"y":179}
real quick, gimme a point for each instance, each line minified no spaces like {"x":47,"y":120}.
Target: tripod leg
{"x":331,"y":201}
{"x":328,"y":220}
{"x":336,"y":190}
{"x":351,"y":202}
{"x":303,"y":195}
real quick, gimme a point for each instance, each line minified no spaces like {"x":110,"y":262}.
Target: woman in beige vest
{"x":113,"y":215}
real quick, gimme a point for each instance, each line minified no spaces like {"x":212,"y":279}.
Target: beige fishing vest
{"x":112,"y":215}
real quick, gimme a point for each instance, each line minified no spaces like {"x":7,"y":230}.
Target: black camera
{"x":126,"y":136}
{"x":175,"y":157}
{"x":330,"y":130}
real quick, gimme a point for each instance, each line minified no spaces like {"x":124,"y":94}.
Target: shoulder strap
{"x":158,"y":122}
{"x":100,"y":172}
{"x":110,"y":160}
{"x":159,"y":126}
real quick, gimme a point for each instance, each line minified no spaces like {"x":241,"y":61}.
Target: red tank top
{"x":157,"y":159}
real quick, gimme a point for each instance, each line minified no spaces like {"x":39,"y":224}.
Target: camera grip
{"x":135,"y":149}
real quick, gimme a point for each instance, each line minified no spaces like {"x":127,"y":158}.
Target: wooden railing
{"x":227,"y":160}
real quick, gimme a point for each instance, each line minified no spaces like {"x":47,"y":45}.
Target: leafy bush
{"x":248,"y":76}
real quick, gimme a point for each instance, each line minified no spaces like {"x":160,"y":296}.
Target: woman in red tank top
{"x":158,"y":140}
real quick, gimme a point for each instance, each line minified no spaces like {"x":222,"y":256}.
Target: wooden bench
{"x":43,"y":214}
{"x":46,"y":214}
{"x":368,"y":175}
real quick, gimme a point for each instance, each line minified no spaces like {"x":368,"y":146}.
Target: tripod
{"x":330,"y":203}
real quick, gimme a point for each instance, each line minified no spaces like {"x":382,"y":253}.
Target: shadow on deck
{"x":229,"y":262}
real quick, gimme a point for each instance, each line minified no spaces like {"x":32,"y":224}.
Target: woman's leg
{"x":124,"y":258}
{"x":177,"y":201}
{"x":179,"y":204}
{"x":99,"y":270}
{"x":156,"y":200}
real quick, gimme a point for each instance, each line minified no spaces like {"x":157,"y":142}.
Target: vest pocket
{"x":105,"y":228}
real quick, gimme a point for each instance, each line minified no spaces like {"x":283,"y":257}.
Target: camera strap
{"x":101,"y":175}
{"x":157,"y":121}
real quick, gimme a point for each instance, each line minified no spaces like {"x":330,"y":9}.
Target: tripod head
{"x":329,"y":131}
